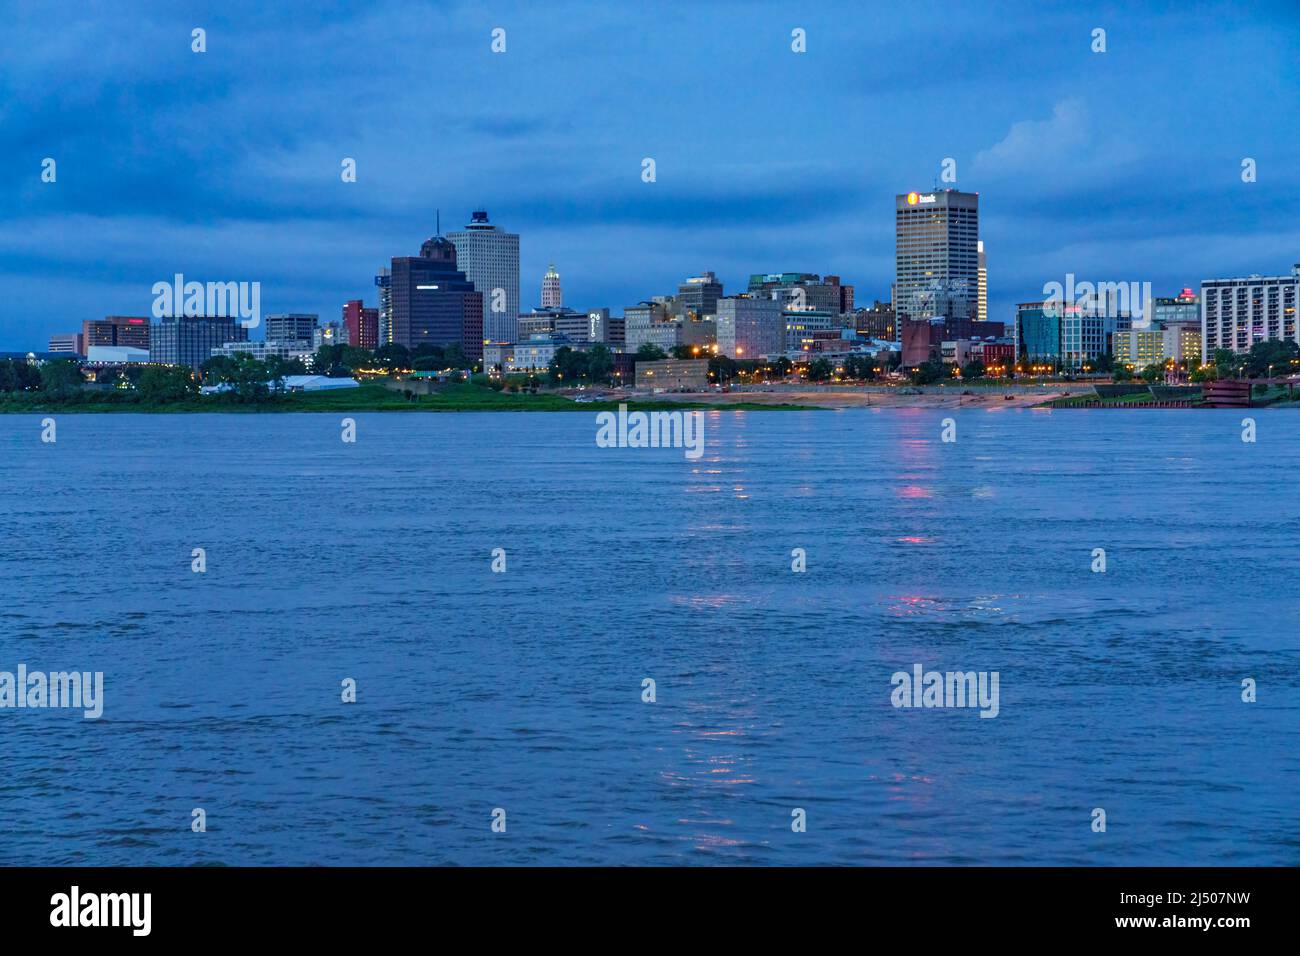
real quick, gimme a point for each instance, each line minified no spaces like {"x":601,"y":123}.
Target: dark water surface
{"x":1119,"y":690}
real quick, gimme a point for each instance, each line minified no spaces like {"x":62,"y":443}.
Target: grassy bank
{"x":459,"y":397}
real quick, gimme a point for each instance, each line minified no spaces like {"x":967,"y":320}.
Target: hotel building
{"x":1237,"y":313}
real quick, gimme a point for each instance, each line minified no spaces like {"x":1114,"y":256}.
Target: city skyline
{"x":790,"y":172}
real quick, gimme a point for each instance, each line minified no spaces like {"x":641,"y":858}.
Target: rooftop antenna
{"x":439,"y":214}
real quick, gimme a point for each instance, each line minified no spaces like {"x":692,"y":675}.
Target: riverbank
{"x":459,"y":397}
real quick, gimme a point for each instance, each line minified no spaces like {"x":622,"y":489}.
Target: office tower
{"x":1038,"y":332}
{"x":302,"y":351}
{"x":489,"y":257}
{"x":384,"y":282}
{"x":331,"y":333}
{"x":846,"y":294}
{"x":699,"y":294}
{"x":551,"y":295}
{"x":937,"y":256}
{"x":129,"y":331}
{"x":1139,"y":347}
{"x":802,"y":326}
{"x":574,"y":325}
{"x":982,"y":310}
{"x":362,"y":324}
{"x":749,"y":327}
{"x":1237,"y":313}
{"x":877,"y":322}
{"x":1070,"y":335}
{"x":797,"y":290}
{"x":291,"y":326}
{"x":190,"y":340}
{"x":434,"y":303}
{"x":649,"y":323}
{"x":598,"y":325}
{"x":70,"y":343}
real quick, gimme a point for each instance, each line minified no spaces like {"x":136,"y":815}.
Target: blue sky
{"x":1116,"y":166}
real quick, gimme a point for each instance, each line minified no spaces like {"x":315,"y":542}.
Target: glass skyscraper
{"x":434,"y":303}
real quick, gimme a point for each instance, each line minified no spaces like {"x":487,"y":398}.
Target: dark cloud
{"x":226,"y":164}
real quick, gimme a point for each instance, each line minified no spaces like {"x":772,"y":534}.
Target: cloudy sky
{"x":225,"y":165}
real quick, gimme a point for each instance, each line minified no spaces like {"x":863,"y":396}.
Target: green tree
{"x":819,"y":370}
{"x":1225,"y":360}
{"x":928,"y":372}
{"x":60,"y":379}
{"x":568,"y":365}
{"x":455,"y":356}
{"x":166,"y":383}
{"x":859,"y":367}
{"x":17,"y":376}
{"x":220,"y":369}
{"x":600,"y":363}
{"x":250,"y":378}
{"x":649,"y":352}
{"x":722,"y":369}
{"x":391,"y":355}
{"x":278,"y":367}
{"x":1153,"y":373}
{"x":973,"y":369}
{"x":351,"y":357}
{"x":1277,"y":355}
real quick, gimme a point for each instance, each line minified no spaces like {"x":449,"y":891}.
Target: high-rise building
{"x":1237,"y":313}
{"x":190,"y":340}
{"x":489,"y":257}
{"x":362,"y":324}
{"x":750,"y":327}
{"x":130,"y":331}
{"x":699,"y":294}
{"x":291,"y":326}
{"x":434,"y":303}
{"x":384,"y":282}
{"x":982,"y":310}
{"x":936,"y":255}
{"x":552,"y":297}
